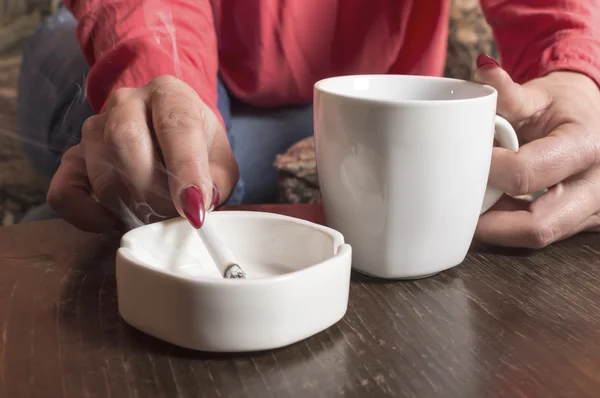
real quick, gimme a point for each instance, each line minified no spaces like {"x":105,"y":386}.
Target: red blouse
{"x":271,"y":52}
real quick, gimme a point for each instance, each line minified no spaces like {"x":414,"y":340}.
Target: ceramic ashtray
{"x":298,"y":280}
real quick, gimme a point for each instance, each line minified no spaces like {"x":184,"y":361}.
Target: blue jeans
{"x":52,"y":108}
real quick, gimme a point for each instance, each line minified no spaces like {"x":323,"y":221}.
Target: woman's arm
{"x":129,"y":42}
{"x":536,"y":37}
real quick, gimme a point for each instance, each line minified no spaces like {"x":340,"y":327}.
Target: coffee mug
{"x":403,"y":165}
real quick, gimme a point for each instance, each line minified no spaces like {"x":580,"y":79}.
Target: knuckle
{"x":177,"y":120}
{"x":90,"y":126}
{"x":101,"y":183}
{"x":121,"y":95}
{"x":54,"y":197}
{"x":72,"y":162}
{"x":71,"y":154}
{"x":164,"y":80}
{"x":172,"y":89}
{"x":119,"y":132}
{"x":522,"y":179}
{"x":590,"y":152}
{"x":542,"y":235}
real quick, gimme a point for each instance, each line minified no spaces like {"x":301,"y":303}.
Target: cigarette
{"x":220,"y":253}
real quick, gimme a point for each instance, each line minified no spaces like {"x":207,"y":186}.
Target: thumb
{"x":515,"y":102}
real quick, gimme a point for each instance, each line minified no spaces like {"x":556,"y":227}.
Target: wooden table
{"x":513,"y":324}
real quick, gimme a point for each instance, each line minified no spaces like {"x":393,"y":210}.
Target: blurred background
{"x":20,"y":186}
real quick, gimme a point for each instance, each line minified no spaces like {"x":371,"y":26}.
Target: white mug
{"x":403,"y":165}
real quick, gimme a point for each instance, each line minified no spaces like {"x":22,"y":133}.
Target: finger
{"x":99,"y":168}
{"x":592,"y":224}
{"x":134,"y":156}
{"x":552,"y":217}
{"x":508,"y":203}
{"x":224,"y":169}
{"x":130,"y":141}
{"x":544,"y":162}
{"x":121,"y":95}
{"x":516,"y":103}
{"x":69,"y":195}
{"x":183,"y":126}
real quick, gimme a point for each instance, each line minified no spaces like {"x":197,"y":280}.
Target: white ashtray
{"x":298,"y":281}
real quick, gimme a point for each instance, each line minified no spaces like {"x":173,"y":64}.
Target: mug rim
{"x":319,"y":86}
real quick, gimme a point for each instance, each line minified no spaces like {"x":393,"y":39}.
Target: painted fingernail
{"x":485,"y":61}
{"x":193,"y":205}
{"x":216,"y":197}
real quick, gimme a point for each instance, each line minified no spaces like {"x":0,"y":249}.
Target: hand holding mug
{"x":557,"y":119}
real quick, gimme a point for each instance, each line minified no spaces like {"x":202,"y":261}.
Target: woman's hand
{"x":557,"y":119}
{"x":153,"y":152}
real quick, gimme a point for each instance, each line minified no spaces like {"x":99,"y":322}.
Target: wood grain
{"x":502,"y":324}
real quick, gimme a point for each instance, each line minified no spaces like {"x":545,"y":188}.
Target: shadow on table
{"x":481,"y":248}
{"x":162,"y":348}
{"x":476,"y":248}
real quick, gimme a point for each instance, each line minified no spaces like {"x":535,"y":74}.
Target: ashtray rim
{"x":126,"y":249}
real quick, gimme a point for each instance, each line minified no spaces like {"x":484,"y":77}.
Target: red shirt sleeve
{"x":536,"y":37}
{"x":129,"y":42}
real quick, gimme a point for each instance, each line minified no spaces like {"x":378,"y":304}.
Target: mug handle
{"x":507,"y":138}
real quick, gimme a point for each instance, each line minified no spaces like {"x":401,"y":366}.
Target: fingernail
{"x":216,"y":197}
{"x":193,"y":205}
{"x":485,"y":61}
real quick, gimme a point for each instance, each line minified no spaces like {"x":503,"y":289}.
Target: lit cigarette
{"x":220,"y":253}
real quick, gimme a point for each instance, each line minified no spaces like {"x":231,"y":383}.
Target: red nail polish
{"x":216,"y":197}
{"x":193,"y":205}
{"x":485,"y":61}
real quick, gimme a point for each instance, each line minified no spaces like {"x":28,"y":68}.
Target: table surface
{"x":502,"y":324}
